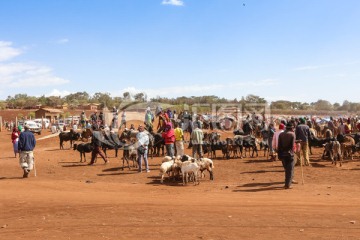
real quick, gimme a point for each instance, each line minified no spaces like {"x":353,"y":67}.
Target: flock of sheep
{"x":187,"y":166}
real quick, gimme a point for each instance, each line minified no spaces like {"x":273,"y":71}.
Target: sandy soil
{"x":71,"y":200}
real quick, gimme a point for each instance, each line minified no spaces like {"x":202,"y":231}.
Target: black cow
{"x":318,"y":142}
{"x":68,"y":136}
{"x":111,"y":141}
{"x":218,"y":145}
{"x":158,"y":144}
{"x":83,"y":148}
{"x":247,"y":142}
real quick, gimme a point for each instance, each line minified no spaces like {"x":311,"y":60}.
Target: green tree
{"x":139,"y":97}
{"x":103,"y":98}
{"x":254,"y":99}
{"x":336,"y":106}
{"x":54,"y":101}
{"x":323,"y":105}
{"x":31,"y":102}
{"x":2,"y":104}
{"x":281,"y":105}
{"x":127,"y":96}
{"x":80,"y":97}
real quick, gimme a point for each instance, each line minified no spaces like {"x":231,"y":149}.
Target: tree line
{"x":74,"y":100}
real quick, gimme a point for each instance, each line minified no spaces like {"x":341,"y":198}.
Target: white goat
{"x":167,"y":159}
{"x":206,"y":164}
{"x":188,"y":167}
{"x":166,"y":168}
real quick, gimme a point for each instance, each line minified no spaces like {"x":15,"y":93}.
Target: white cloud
{"x":20,"y":74}
{"x":7,"y":51}
{"x":63,"y":41}
{"x":173,"y":2}
{"x":199,"y":90}
{"x":56,"y":92}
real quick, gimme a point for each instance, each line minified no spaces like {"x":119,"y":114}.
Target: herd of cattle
{"x":230,"y":147}
{"x":250,"y":138}
{"x":336,"y":147}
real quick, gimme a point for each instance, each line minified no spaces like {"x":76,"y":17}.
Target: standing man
{"x":96,"y":142}
{"x":101,"y":119}
{"x":162,"y":122}
{"x":142,"y":150}
{"x":341,"y":128}
{"x":271,"y":130}
{"x":186,"y":120}
{"x":149,"y":120}
{"x":286,"y":145}
{"x":26,"y":147}
{"x":94,"y":118}
{"x":115,"y":120}
{"x":196,"y":139}
{"x":82,"y":119}
{"x":302,"y":133}
{"x":331,"y":126}
{"x":169,"y":139}
{"x":179,"y":140}
{"x":275,"y":141}
{"x":123,"y":119}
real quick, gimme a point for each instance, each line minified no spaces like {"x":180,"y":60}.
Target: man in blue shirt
{"x":26,"y":146}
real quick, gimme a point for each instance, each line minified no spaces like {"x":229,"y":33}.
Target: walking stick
{"x":298,"y":154}
{"x":34,"y":167}
{"x":298,"y":146}
{"x":302,"y":171}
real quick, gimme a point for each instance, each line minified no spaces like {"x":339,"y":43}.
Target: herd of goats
{"x":252,"y":137}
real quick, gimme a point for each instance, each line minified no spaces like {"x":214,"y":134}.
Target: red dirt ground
{"x":70,"y":200}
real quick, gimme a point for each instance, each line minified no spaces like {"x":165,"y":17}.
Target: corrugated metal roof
{"x":52,"y":110}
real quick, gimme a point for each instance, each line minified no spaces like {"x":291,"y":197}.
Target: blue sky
{"x":296,"y":50}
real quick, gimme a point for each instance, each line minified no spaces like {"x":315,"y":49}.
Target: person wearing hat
{"x":26,"y":147}
{"x":286,"y":145}
{"x":302,"y":133}
{"x":142,"y":148}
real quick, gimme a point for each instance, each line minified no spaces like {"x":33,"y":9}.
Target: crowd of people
{"x":289,"y":141}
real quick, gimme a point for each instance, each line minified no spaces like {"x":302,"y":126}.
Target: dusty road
{"x":70,"y":200}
